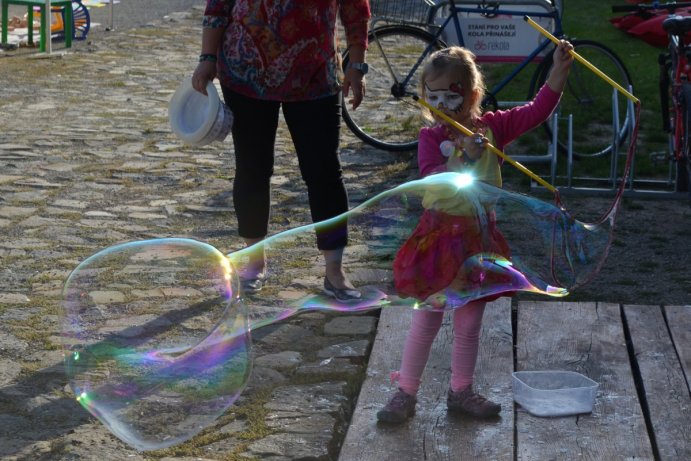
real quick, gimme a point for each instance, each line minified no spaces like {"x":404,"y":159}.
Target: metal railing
{"x":414,"y":12}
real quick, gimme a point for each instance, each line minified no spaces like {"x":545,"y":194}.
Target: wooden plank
{"x":431,"y":433}
{"x":679,"y":321}
{"x":587,"y":338}
{"x":666,"y":392}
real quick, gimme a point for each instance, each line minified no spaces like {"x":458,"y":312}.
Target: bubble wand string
{"x":501,"y":154}
{"x":583,"y":61}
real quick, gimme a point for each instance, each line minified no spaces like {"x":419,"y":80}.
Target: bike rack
{"x":571,"y":184}
{"x":551,"y":155}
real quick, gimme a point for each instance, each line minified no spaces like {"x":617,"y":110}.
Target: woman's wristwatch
{"x":362,"y":67}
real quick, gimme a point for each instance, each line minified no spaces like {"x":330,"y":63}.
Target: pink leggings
{"x":467,"y":322}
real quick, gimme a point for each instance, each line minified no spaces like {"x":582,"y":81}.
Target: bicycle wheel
{"x":590,"y":100}
{"x":81,"y":21}
{"x":388,"y":117}
{"x":683,"y":175}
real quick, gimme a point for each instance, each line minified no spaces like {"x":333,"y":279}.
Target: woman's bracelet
{"x":207,"y":57}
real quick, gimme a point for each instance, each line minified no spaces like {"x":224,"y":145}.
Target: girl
{"x":430,"y":260}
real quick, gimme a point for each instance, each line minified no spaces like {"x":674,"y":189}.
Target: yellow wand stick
{"x":501,"y":154}
{"x":583,"y":61}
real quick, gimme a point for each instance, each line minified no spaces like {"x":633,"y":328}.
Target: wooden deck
{"x":639,"y":355}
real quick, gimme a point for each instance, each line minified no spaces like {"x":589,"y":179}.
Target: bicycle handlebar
{"x":641,"y":7}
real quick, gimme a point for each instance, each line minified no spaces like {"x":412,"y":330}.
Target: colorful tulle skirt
{"x":433,"y":257}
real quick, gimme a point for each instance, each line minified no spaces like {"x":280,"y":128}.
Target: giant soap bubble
{"x":158,"y":342}
{"x":158,"y":334}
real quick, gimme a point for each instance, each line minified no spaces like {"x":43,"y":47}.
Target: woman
{"x":275,"y":54}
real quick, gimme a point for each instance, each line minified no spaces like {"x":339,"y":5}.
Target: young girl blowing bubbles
{"x":430,"y":260}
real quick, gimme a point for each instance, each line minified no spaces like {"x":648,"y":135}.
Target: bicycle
{"x":405,"y":32}
{"x":675,"y":87}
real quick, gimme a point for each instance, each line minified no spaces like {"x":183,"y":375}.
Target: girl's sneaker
{"x":399,"y":409}
{"x":470,"y":403}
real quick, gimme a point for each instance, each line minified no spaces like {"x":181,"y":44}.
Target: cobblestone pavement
{"x":87,"y":160}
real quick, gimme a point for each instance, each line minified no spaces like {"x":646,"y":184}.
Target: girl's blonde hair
{"x":460,"y":63}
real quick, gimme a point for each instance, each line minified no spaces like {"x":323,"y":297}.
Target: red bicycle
{"x":675,"y":85}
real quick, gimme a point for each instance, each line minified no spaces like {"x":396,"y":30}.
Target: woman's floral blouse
{"x":285,"y":50}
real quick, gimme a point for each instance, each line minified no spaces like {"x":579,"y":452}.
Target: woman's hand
{"x":354,"y":80}
{"x":203,"y":74}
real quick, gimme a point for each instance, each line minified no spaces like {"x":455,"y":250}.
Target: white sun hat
{"x":198,"y":119}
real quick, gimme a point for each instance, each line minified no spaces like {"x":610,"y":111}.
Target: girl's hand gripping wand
{"x":583,"y":61}
{"x":501,"y":154}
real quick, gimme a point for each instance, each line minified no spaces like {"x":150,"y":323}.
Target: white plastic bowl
{"x":198,"y":119}
{"x":554,"y":393}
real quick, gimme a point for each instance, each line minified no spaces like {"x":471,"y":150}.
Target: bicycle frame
{"x":486,"y":10}
{"x":674,"y":83}
{"x":679,"y":61}
{"x":407,"y":32}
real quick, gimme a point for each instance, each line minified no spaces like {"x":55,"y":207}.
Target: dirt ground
{"x":649,"y":259}
{"x":650,"y":256}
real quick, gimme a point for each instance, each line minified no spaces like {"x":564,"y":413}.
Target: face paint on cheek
{"x":450,"y":99}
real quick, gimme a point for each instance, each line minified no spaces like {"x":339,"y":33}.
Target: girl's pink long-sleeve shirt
{"x":505,"y":126}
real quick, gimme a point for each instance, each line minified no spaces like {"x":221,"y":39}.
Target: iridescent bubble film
{"x":158,"y":334}
{"x":157,"y":339}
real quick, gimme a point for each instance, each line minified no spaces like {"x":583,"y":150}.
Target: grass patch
{"x":395,"y":169}
{"x":253,"y":413}
{"x":590,"y":20}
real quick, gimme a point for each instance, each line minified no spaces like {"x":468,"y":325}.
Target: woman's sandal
{"x":254,"y":284}
{"x":341,"y":294}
